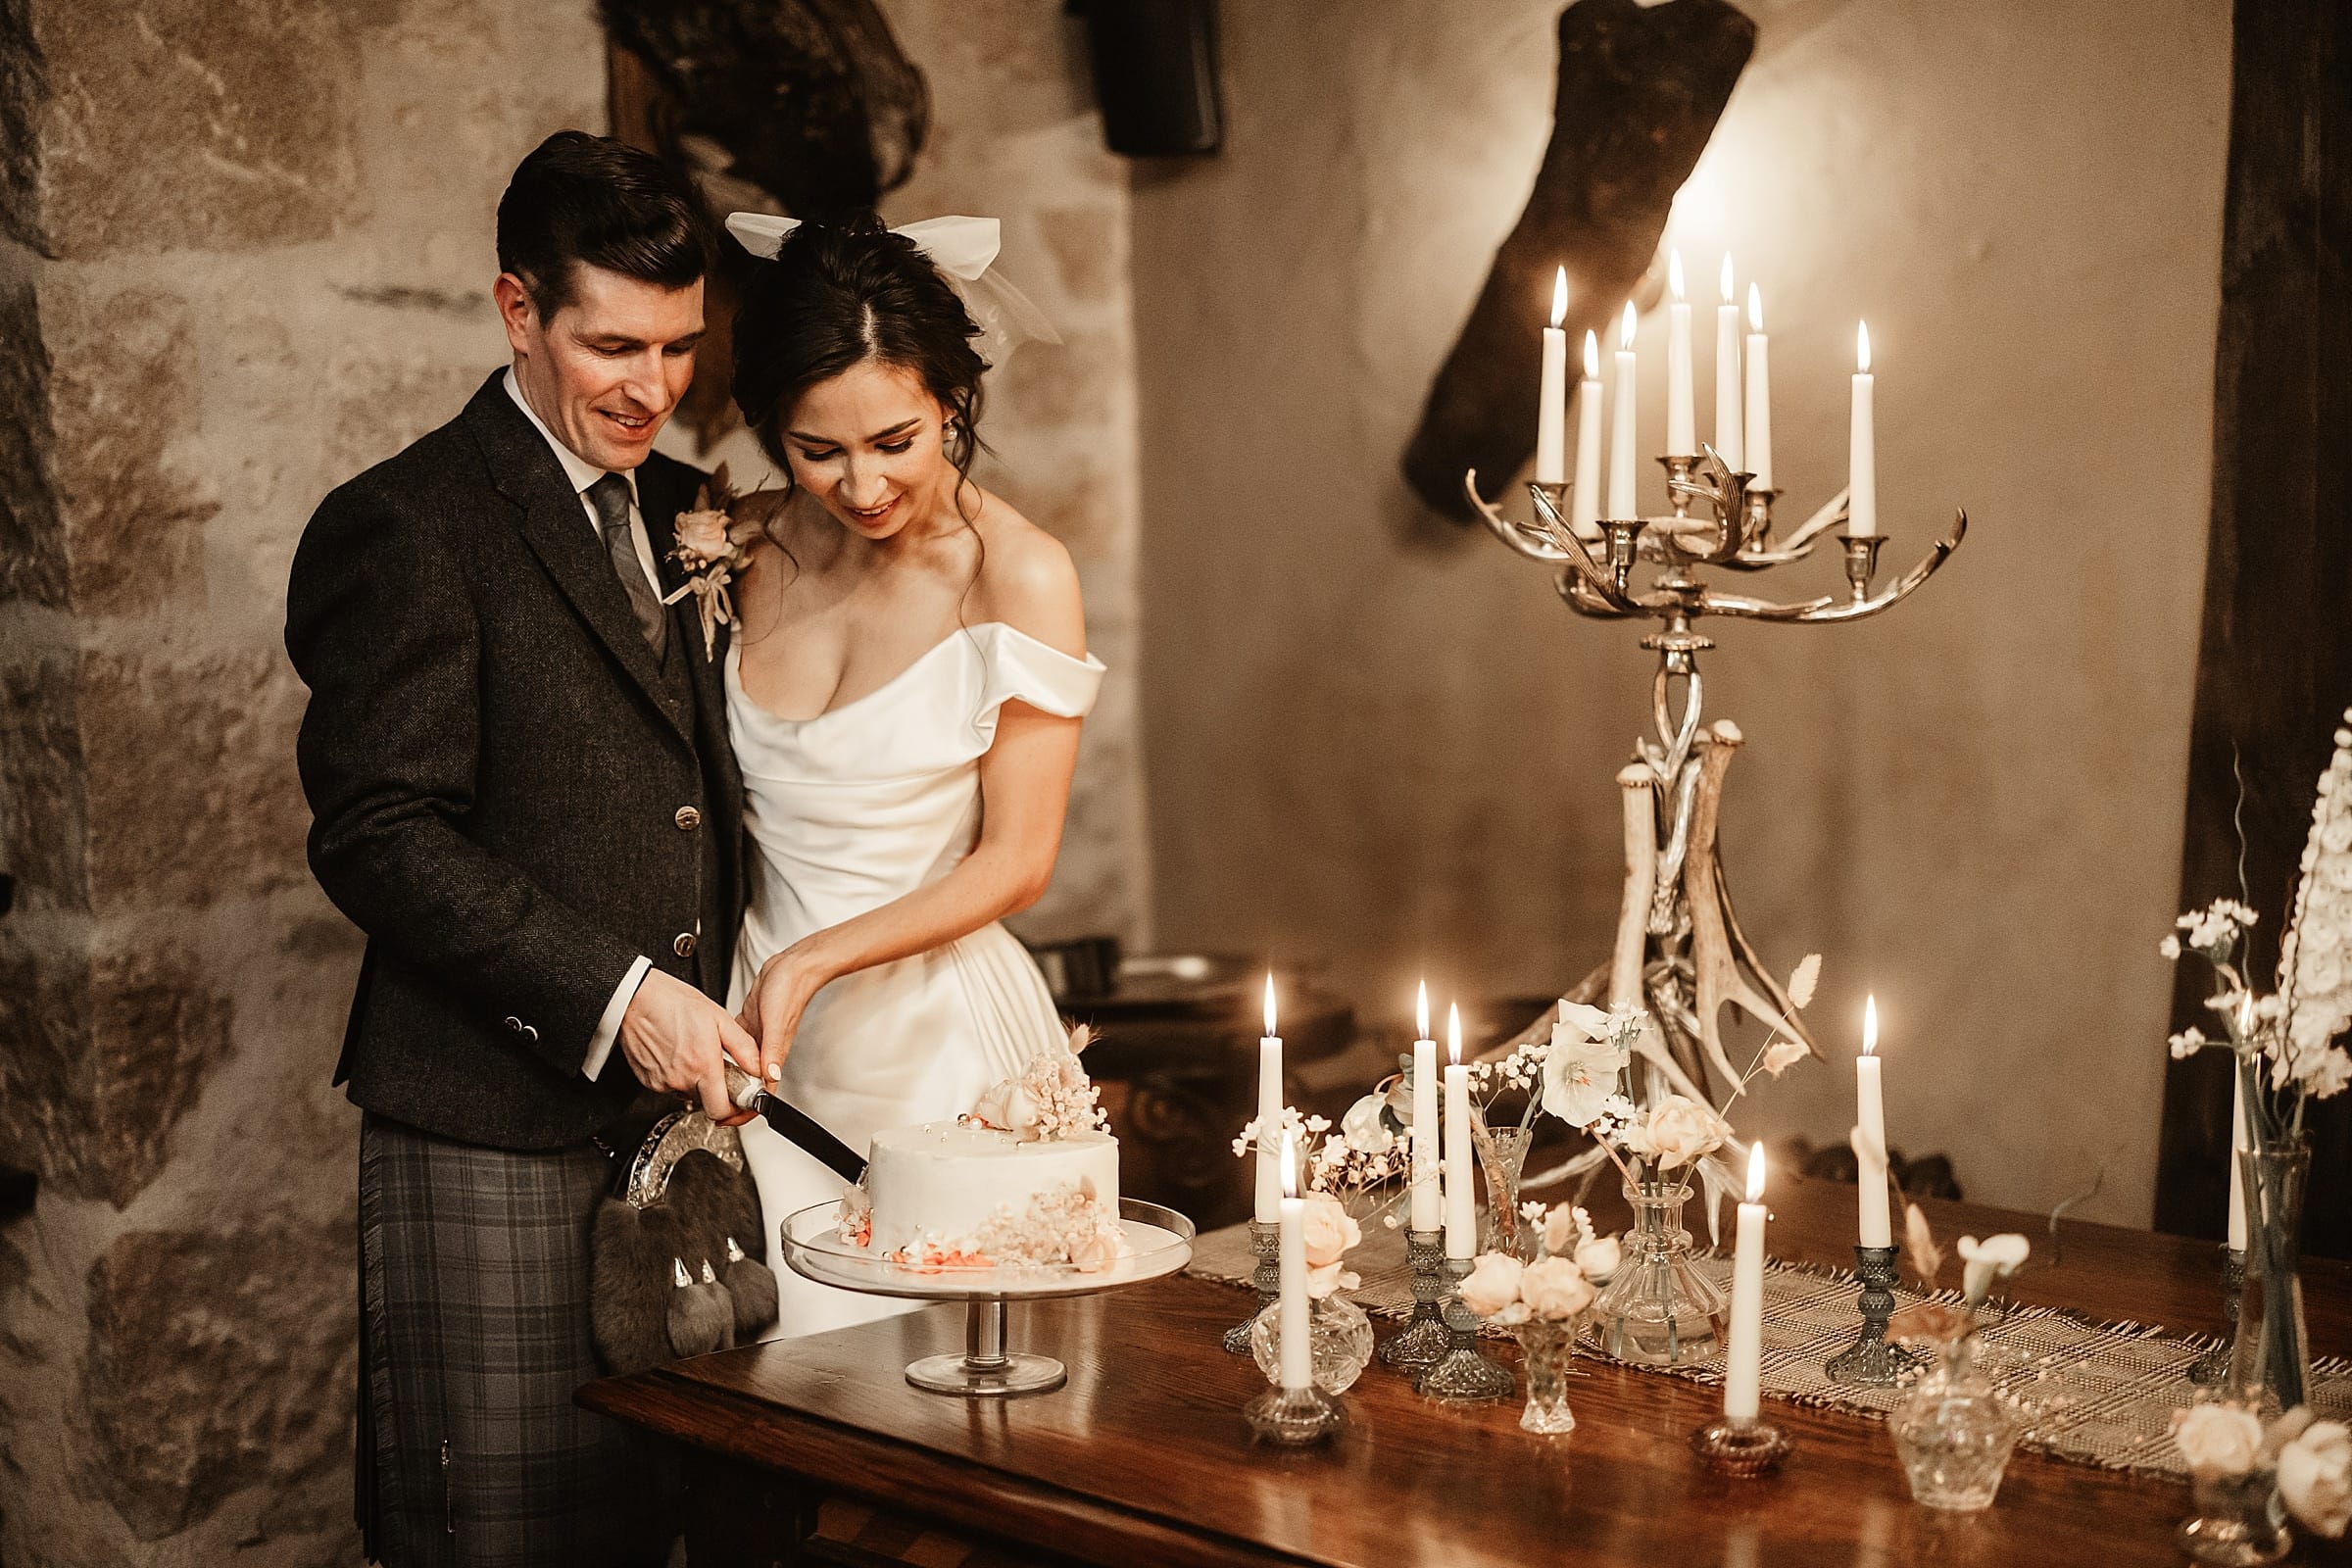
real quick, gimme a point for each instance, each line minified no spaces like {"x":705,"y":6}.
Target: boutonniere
{"x":711,"y":547}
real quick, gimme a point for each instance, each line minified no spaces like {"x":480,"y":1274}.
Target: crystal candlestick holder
{"x":1872,"y":1362}
{"x":1294,"y":1417}
{"x":1265,"y":1241}
{"x":2212,"y":1369}
{"x":1743,"y":1449}
{"x":1424,"y":1338}
{"x":1464,"y":1373}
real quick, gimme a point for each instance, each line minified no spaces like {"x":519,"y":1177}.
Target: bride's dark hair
{"x":840,"y":293}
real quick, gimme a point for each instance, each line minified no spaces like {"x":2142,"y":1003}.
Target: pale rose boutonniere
{"x":711,"y":547}
{"x":1329,"y":1231}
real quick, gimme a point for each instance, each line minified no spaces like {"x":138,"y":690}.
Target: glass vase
{"x":2269,"y":1364}
{"x":1546,"y":1351}
{"x":2239,"y":1519}
{"x":1659,"y":1309}
{"x":1953,"y":1434}
{"x":1339,"y":1334}
{"x":1503,"y":1160}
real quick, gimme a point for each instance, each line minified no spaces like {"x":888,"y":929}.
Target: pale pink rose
{"x":1094,"y":1253}
{"x":1554,"y":1289}
{"x":1598,"y":1257}
{"x":1682,"y":1131}
{"x":1007,"y":1108}
{"x":1329,"y":1230}
{"x":2315,"y":1476}
{"x":1493,"y":1283}
{"x":2218,"y":1440}
{"x":703,"y":534}
{"x":1326,"y":1278}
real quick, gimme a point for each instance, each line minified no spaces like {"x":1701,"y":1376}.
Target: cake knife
{"x":797,"y":1126}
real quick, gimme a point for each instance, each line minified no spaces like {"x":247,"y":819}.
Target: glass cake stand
{"x":1159,"y":1242}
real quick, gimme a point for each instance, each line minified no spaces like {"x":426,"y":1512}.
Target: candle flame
{"x":1591,"y":357}
{"x":1728,"y":297}
{"x":1674,"y":272}
{"x":1870,"y":1025}
{"x":1755,"y":309}
{"x":1756,"y":1172}
{"x":1453,"y":1033}
{"x":1559,"y":296}
{"x":1270,"y":1003}
{"x":1289,"y":1165}
{"x":1862,"y":350}
{"x":1624,"y":333}
{"x":1421,"y":1012}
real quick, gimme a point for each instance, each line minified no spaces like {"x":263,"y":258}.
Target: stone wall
{"x":247,"y":253}
{"x":1385,"y":745}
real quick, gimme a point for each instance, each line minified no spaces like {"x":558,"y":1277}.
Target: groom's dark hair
{"x":581,"y":198}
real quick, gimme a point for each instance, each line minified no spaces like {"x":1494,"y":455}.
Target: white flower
{"x":1580,"y":1069}
{"x":1554,"y":1289}
{"x":1919,"y":1245}
{"x":1682,"y":1132}
{"x":1993,"y":1257}
{"x":1362,"y":1128}
{"x":2187,"y":1043}
{"x":1590,"y":1023}
{"x":702,"y":535}
{"x":1598,"y":1257}
{"x":2218,"y":1440}
{"x":2170,"y":947}
{"x":2315,"y":1476}
{"x":1561,"y":1228}
{"x":1492,"y":1284}
{"x":1801,"y":982}
{"x":1781,"y":1055}
{"x":1007,"y":1107}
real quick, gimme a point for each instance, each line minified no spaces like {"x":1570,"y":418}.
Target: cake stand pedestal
{"x":1159,"y":1242}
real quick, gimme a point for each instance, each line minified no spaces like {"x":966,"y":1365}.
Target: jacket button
{"x":689,"y":818}
{"x":684,"y":945}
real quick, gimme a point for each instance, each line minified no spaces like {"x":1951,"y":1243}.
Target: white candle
{"x":1269,"y":1116}
{"x":1682,"y":420}
{"x":2237,"y":1142}
{"x":1759,"y":394}
{"x":1621,"y":425}
{"x":1461,"y":1160}
{"x":1870,"y":1114}
{"x":1862,"y":468}
{"x":1428,"y":1205}
{"x":1298,"y":1358}
{"x":1743,"y":1364}
{"x":1728,"y":441}
{"x":1584,"y":508}
{"x":1551,"y":398}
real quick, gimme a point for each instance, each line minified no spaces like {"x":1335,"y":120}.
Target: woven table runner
{"x":2101,"y":1393}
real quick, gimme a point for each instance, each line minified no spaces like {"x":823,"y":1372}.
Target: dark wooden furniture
{"x":1144,"y":1457}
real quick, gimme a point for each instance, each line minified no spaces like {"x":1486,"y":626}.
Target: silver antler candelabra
{"x":1680,"y":949}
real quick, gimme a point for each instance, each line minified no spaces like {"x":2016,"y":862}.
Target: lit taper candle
{"x":1862,"y":468}
{"x":1583,"y":504}
{"x":1743,"y":1363}
{"x":1758,"y":433}
{"x":1870,"y":1114}
{"x":1622,"y":504}
{"x":1428,"y":1203}
{"x":1552,"y":397}
{"x":1727,"y":440}
{"x":1269,"y":1116}
{"x":1298,"y":1358}
{"x":1461,"y":1160}
{"x":1682,"y":419}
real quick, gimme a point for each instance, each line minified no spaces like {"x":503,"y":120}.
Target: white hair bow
{"x":964,"y":248}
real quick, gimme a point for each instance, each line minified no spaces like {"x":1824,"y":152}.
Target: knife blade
{"x":797,"y":1127}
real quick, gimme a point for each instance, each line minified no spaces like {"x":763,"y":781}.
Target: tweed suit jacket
{"x":511,"y":796}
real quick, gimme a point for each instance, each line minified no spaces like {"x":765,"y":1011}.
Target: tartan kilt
{"x":474,"y":1336}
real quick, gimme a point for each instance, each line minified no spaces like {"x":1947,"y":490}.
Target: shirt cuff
{"x":608,"y":1028}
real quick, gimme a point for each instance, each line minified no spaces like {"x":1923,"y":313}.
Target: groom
{"x":518,"y":766}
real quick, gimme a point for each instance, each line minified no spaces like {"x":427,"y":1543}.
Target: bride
{"x":904,"y":691}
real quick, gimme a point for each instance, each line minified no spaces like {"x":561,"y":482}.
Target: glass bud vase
{"x":1660,"y":1310}
{"x":1337,"y":1331}
{"x":1953,"y":1434}
{"x":1503,"y":1160}
{"x":1546,"y":1351}
{"x":2239,"y":1520}
{"x":2270,"y":1364}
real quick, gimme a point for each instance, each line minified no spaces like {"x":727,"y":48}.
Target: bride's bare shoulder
{"x":1027,"y":579}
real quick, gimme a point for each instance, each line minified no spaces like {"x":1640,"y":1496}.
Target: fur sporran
{"x":679,"y":1263}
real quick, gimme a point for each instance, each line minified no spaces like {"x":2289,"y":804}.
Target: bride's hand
{"x":771,"y":1013}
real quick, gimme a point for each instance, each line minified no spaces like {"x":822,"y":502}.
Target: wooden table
{"x":1144,"y":1457}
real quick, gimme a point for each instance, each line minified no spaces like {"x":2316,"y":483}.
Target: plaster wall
{"x":1381,"y":744}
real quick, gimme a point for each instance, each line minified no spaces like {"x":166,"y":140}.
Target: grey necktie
{"x":611,"y":498}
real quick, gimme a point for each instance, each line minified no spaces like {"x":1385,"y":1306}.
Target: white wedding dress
{"x":847,"y":812}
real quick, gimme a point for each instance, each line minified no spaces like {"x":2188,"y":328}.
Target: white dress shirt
{"x":582,"y":473}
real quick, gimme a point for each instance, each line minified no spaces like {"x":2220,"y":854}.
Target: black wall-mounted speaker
{"x":1155,"y":75}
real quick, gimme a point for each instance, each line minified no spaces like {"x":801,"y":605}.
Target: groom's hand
{"x":678,"y":1040}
